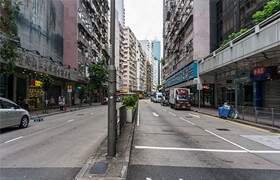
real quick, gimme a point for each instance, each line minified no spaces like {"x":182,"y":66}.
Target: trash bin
{"x":224,"y":111}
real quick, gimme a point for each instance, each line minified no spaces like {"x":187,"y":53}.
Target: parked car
{"x":12,"y":114}
{"x":104,"y":100}
{"x":164,"y":101}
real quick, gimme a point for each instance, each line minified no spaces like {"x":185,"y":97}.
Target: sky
{"x":145,"y":18}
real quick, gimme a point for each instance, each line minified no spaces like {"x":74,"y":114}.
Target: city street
{"x":180,"y":145}
{"x":55,"y":148}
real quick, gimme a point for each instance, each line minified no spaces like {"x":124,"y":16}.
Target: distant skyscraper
{"x":120,"y":11}
{"x":156,"y":49}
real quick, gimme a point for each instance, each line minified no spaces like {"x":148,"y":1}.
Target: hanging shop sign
{"x":186,"y":74}
{"x":259,"y":71}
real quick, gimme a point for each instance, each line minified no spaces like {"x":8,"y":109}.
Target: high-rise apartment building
{"x":156,"y":49}
{"x":120,"y":11}
{"x":119,"y":56}
{"x":86,"y":35}
{"x":129,"y":65}
{"x":186,"y":38}
{"x":141,"y":59}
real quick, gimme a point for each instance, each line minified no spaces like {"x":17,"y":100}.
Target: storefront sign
{"x":37,"y":83}
{"x":37,"y":63}
{"x":241,"y":78}
{"x":187,"y":73}
{"x":259,"y":71}
{"x":205,"y":86}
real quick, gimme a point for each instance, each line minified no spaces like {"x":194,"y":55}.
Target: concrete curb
{"x":262,"y":126}
{"x":117,"y":166}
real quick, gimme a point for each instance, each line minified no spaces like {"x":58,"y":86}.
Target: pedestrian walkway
{"x":56,"y":110}
{"x":248,"y":118}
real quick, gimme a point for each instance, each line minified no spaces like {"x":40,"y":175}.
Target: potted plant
{"x":130,"y":103}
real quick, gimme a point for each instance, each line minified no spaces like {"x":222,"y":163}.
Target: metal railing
{"x":261,"y":115}
{"x":122,"y":118}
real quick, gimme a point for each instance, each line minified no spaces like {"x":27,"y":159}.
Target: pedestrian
{"x":26,"y":103}
{"x":52,"y":102}
{"x":19,"y":101}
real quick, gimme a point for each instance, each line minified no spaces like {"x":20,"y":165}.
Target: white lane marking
{"x":147,"y":178}
{"x":155,"y":114}
{"x":194,"y":115}
{"x":189,"y":149}
{"x":207,"y":150}
{"x":91,"y":113}
{"x":187,"y":121}
{"x":227,"y":140}
{"x":264,"y":152}
{"x":70,"y":120}
{"x":172,"y":113}
{"x":13,"y":139}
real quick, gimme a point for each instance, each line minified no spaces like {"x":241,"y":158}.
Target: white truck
{"x":157,"y":97}
{"x":179,"y":98}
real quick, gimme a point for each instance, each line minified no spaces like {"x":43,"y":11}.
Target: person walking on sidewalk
{"x":26,"y":103}
{"x":52,"y":102}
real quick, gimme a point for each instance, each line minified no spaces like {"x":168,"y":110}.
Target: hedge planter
{"x":129,"y":115}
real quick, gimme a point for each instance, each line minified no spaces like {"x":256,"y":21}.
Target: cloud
{"x":144,"y":17}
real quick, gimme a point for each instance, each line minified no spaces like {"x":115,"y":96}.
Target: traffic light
{"x":79,"y":87}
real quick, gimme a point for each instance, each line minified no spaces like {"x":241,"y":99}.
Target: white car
{"x":12,"y":114}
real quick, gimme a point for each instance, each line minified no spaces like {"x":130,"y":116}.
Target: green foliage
{"x":47,"y":82}
{"x":130,"y":101}
{"x":270,"y":8}
{"x":163,"y":61}
{"x":97,"y":76}
{"x":8,"y":48}
{"x":233,"y":36}
{"x":159,"y":86}
{"x":82,"y":93}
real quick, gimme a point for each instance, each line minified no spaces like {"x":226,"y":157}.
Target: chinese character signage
{"x":187,"y":73}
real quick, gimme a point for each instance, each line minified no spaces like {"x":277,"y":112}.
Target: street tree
{"x":82,"y":93}
{"x":8,"y":39}
{"x":163,"y":61}
{"x":98,"y":75}
{"x":47,"y":81}
{"x":159,"y":86}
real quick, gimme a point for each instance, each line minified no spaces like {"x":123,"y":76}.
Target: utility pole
{"x":112,"y":120}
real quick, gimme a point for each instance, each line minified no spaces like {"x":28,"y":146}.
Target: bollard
{"x":272,"y":114}
{"x":256,"y":114}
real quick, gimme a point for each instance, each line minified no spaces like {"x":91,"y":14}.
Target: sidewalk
{"x":56,"y":110}
{"x":101,"y":167}
{"x":214,"y":112}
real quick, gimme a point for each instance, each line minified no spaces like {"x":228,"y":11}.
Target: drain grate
{"x":80,"y":114}
{"x":99,"y":168}
{"x":222,"y":129}
{"x":167,"y":130}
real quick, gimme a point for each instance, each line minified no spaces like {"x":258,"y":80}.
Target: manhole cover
{"x":99,"y":168}
{"x":167,"y":130}
{"x":189,"y":116}
{"x":221,"y":129}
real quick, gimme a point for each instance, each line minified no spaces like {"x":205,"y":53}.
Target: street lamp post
{"x":112,"y":120}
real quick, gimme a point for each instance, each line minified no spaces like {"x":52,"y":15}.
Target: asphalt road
{"x":180,"y":145}
{"x":55,"y":148}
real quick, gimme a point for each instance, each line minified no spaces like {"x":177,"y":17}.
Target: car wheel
{"x":24,"y":122}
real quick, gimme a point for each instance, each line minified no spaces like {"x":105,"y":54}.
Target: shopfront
{"x":258,"y":88}
{"x":36,"y":94}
